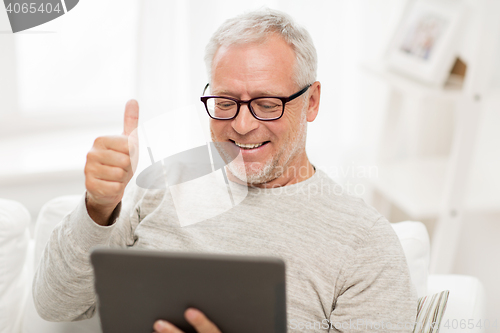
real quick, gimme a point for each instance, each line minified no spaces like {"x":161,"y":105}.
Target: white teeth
{"x":248,"y":145}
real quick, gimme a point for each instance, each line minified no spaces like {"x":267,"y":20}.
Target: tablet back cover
{"x":238,"y":293}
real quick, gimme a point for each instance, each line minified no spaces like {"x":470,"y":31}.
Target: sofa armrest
{"x":466,"y":302}
{"x":14,"y":240}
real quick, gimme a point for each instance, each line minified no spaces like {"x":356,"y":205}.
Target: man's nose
{"x":245,"y":122}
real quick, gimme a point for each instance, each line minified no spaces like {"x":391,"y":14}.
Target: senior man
{"x":344,"y":263}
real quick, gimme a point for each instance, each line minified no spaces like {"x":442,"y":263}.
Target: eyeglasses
{"x":262,"y":108}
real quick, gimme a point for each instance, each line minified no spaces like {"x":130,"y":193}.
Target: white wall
{"x":479,"y":250}
{"x":8,"y":77}
{"x":479,"y":255}
{"x":171,"y":72}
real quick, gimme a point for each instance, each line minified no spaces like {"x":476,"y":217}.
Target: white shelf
{"x":416,"y":186}
{"x":409,"y":85}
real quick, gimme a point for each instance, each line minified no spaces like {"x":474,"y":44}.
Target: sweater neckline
{"x":318,"y":174}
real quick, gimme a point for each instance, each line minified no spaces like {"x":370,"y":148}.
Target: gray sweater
{"x":346,"y":270}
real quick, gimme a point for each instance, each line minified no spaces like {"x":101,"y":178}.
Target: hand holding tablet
{"x":195,"y":317}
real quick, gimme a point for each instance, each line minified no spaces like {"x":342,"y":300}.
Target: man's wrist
{"x":102,"y":215}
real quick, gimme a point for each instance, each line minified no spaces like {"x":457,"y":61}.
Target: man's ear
{"x":314,"y":96}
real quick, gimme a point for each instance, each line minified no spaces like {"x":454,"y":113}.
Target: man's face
{"x":253,"y":70}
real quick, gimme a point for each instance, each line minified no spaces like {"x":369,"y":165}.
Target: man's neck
{"x":297,"y":172}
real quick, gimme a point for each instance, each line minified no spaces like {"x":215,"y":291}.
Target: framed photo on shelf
{"x":426,"y":41}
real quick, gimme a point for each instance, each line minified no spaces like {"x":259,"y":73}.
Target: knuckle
{"x":88,"y":172}
{"x":124,"y":161}
{"x":119,"y":160}
{"x":119,"y":173}
{"x":99,"y":140}
{"x":90,"y":184}
{"x":89,"y":169}
{"x":91,"y":155}
{"x":94,"y":155}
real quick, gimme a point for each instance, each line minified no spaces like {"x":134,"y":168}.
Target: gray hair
{"x":255,"y":26}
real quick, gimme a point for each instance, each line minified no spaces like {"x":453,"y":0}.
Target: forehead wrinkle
{"x":250,"y":80}
{"x":250,"y":70}
{"x":250,"y":85}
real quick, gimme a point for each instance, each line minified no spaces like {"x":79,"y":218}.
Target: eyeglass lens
{"x":266,"y":108}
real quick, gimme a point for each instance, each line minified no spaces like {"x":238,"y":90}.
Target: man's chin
{"x":250,"y":173}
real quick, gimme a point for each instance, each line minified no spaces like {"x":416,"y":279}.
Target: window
{"x":84,"y":61}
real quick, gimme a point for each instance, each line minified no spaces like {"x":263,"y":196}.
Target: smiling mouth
{"x":249,"y":145}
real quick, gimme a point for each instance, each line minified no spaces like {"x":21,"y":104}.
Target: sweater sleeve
{"x":378,"y":294}
{"x":63,"y":284}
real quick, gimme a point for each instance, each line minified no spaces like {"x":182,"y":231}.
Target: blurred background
{"x":66,"y":82}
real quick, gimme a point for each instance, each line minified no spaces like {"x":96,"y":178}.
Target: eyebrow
{"x":260,"y":94}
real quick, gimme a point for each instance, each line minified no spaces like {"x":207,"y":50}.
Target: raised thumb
{"x":131,"y":117}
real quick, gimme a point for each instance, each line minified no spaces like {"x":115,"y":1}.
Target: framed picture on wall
{"x":425,"y":43}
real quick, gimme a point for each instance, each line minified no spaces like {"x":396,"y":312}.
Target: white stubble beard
{"x":271,"y":169}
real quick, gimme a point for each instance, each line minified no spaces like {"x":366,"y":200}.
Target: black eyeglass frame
{"x":284,"y":100}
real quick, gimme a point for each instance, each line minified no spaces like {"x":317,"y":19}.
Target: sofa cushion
{"x":430,"y":312}
{"x":415,"y":242}
{"x":14,"y":238}
{"x":50,"y":215}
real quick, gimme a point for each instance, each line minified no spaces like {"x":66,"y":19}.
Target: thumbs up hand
{"x":109,"y":168}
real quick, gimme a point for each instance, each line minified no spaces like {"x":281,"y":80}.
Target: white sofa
{"x":19,"y":256}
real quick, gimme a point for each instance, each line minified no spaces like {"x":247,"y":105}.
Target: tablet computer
{"x":238,"y":293}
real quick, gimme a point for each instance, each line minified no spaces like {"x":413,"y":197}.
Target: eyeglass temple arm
{"x":294,"y":96}
{"x":205,"y":89}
